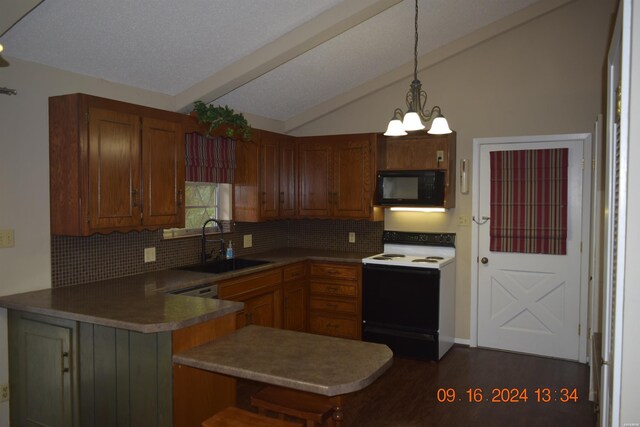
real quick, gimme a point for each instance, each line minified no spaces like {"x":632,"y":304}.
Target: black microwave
{"x":410,"y":188}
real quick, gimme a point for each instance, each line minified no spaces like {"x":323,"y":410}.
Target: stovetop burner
{"x":417,"y":250}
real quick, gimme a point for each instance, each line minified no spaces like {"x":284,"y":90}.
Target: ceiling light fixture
{"x":3,"y":62}
{"x":416,"y":100}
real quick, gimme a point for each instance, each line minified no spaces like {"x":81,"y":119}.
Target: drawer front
{"x":336,"y":306}
{"x":342,"y":289}
{"x":294,"y":272}
{"x":246,"y":284}
{"x":335,"y":271}
{"x":337,"y":327}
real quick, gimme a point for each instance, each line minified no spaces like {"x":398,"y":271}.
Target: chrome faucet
{"x":204,"y":256}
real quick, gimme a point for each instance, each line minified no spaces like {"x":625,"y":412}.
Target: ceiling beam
{"x":325,"y":26}
{"x":428,"y":60}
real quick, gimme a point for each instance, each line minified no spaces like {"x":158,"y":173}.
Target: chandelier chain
{"x":415,"y":46}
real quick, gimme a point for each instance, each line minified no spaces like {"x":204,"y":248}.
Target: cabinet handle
{"x":332,"y":305}
{"x":333,"y":271}
{"x":179,"y":197}
{"x":286,"y":302}
{"x":282,"y":197}
{"x":332,"y":325}
{"x":65,"y":355}
{"x":134,"y":196}
{"x":332,"y":288}
{"x":264,"y":197}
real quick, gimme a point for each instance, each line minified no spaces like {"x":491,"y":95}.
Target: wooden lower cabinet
{"x":335,"y":299}
{"x":295,"y":297}
{"x":262,"y":296}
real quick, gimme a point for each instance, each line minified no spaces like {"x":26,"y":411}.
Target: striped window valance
{"x":529,"y":201}
{"x":210,"y":159}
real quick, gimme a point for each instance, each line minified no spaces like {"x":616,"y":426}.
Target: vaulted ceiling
{"x":288,"y":60}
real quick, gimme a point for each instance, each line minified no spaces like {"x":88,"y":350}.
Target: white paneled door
{"x":528,"y":302}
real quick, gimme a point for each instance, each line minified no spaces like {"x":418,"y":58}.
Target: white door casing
{"x":533,"y":303}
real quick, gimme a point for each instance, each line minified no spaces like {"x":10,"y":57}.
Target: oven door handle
{"x":417,"y":270}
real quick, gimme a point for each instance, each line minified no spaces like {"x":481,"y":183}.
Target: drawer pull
{"x":333,"y":271}
{"x":333,"y":288}
{"x":333,"y":325}
{"x":332,"y":305}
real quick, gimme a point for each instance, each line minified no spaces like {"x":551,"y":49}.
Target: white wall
{"x":544,"y":77}
{"x":24,"y":174}
{"x":630,"y":372}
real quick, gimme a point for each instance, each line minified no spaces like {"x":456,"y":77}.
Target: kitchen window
{"x":204,"y":200}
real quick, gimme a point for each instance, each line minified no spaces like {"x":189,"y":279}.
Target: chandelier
{"x":416,"y":100}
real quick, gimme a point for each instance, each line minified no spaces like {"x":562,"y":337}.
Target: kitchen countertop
{"x":314,"y":363}
{"x":140,"y":302}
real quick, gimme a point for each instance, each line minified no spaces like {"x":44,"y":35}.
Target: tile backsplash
{"x":77,"y":260}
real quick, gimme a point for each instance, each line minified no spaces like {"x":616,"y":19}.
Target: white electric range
{"x":408,"y":300}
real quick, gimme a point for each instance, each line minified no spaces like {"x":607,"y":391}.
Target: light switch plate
{"x":463,"y":220}
{"x":149,"y":254}
{"x":247,"y":240}
{"x":352,"y":237}
{"x":6,"y":238}
{"x":4,"y":392}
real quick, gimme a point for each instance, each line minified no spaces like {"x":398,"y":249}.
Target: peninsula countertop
{"x":314,"y":363}
{"x":141,"y":303}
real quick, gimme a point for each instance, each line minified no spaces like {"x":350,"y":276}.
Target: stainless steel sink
{"x":224,"y":265}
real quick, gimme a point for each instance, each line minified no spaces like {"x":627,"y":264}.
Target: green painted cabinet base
{"x":42,"y":375}
{"x":66,"y":373}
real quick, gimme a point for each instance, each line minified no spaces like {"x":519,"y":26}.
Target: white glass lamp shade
{"x":412,"y":121}
{"x":395,"y":128}
{"x":440,"y":126}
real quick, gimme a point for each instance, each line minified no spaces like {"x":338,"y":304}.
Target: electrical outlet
{"x":440,"y":156}
{"x":149,"y":254}
{"x":6,"y":239}
{"x":352,"y":237}
{"x":463,"y":220}
{"x":248,"y":240}
{"x":4,"y":392}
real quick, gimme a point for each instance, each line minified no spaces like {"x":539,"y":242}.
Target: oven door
{"x":402,"y":298}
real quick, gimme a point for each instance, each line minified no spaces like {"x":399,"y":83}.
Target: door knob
{"x":484,"y":260}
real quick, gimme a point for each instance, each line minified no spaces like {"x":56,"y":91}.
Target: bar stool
{"x":236,"y":417}
{"x":312,"y":408}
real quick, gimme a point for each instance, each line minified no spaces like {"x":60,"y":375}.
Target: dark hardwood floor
{"x":407,"y":394}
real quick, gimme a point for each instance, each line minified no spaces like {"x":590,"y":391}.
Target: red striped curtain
{"x":529,"y":201}
{"x":210,"y":159}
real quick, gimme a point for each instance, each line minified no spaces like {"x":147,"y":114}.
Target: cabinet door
{"x":261,"y":310}
{"x":114,"y":169}
{"x":314,"y":163}
{"x":41,"y":371}
{"x":351,"y":193}
{"x":163,"y":171}
{"x":295,"y":306}
{"x":269,"y":179}
{"x":288,"y":164}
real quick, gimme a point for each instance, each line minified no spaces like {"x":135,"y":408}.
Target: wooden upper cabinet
{"x":336,"y":175}
{"x":314,"y":179}
{"x":268,"y":169}
{"x":421,"y":150}
{"x":114,"y":172}
{"x":288,"y":175}
{"x":113,"y":166}
{"x":352,"y":189}
{"x":264,"y":186}
{"x":163,"y":172}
